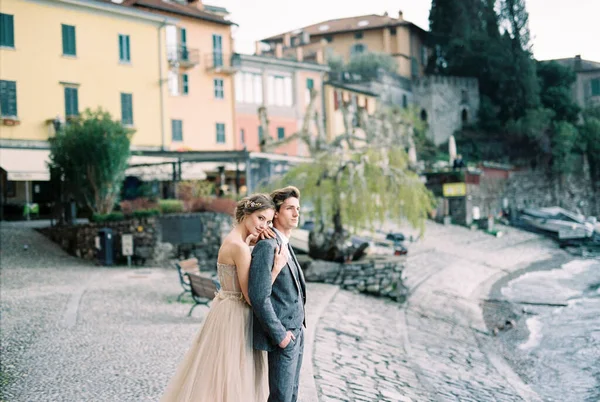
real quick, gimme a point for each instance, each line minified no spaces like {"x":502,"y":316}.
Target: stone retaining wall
{"x":379,"y":276}
{"x":79,"y":240}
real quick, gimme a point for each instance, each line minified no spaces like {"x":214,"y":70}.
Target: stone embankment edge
{"x":308,"y":386}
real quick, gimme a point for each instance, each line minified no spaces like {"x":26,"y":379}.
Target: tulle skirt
{"x":221,"y":364}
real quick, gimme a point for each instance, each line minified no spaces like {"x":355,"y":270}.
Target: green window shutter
{"x":124,"y":54}
{"x":7,"y":30}
{"x":220,"y":133}
{"x":8,"y":98}
{"x":68,"y":37}
{"x":71,"y":102}
{"x":176,"y":130}
{"x":596,"y":87}
{"x":261,"y":134}
{"x":280,"y":133}
{"x":219,"y":91}
{"x":310,"y":83}
{"x":127,"y":109}
{"x":184,"y":82}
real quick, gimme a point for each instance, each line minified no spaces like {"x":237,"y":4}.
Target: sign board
{"x":127,"y":244}
{"x":454,"y":189}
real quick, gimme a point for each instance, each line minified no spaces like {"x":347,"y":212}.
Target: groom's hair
{"x":279,"y":196}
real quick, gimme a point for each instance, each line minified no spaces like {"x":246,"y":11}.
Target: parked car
{"x":395,"y":237}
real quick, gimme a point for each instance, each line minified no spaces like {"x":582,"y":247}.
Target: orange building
{"x":283,"y":87}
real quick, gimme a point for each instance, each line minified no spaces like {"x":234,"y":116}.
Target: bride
{"x":221,"y":364}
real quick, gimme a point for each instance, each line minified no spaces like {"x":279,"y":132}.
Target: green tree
{"x":555,"y":90}
{"x":360,"y":177}
{"x":367,"y":64}
{"x":90,"y":155}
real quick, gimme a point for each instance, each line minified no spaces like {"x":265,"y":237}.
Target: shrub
{"x":170,"y":206}
{"x":129,"y":207}
{"x":146,"y":213}
{"x":111,"y":217}
{"x":221,"y":205}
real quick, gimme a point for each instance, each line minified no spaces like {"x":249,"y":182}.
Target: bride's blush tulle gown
{"x":221,"y":364}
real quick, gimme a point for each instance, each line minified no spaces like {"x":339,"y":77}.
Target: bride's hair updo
{"x":248,"y":205}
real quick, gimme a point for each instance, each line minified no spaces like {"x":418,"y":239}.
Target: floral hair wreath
{"x":252,"y":204}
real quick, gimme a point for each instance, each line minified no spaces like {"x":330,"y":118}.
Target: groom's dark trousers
{"x":278,"y":308}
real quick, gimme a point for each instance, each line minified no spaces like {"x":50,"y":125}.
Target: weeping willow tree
{"x":361,"y":177}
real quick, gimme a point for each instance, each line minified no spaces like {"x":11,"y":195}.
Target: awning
{"x":25,"y":164}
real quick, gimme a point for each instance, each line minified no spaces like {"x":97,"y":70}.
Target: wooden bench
{"x":183,"y":267}
{"x":203,"y":289}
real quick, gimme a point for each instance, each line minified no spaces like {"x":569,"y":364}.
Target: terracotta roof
{"x":577,"y":63}
{"x":359,"y":23}
{"x":177,"y":8}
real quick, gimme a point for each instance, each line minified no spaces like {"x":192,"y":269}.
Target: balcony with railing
{"x":221,"y":62}
{"x":183,"y":56}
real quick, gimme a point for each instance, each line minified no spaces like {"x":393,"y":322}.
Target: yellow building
{"x":354,"y":97}
{"x":59,"y":57}
{"x":201,"y":99}
{"x":346,"y":37}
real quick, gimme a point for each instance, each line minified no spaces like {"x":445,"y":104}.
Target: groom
{"x":279,"y":307}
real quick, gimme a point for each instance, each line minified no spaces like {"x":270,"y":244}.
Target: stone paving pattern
{"x":436,"y":346}
{"x":73,"y":331}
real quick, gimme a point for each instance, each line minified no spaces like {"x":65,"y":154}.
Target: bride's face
{"x":258,"y":221}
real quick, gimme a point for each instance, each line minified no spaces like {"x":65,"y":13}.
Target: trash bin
{"x":105,"y":252}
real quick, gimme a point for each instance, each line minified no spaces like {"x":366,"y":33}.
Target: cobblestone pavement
{"x":73,"y":331}
{"x":436,"y":346}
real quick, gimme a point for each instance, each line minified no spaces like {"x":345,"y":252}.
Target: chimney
{"x":287,"y":40}
{"x":279,"y":50}
{"x":577,"y":62}
{"x":400,"y":15}
{"x":257,"y":48}
{"x":299,"y":53}
{"x":196,"y":3}
{"x":320,"y":56}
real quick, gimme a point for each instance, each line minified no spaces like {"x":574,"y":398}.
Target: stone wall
{"x":537,"y":189}
{"x":444,"y":101}
{"x":379,"y":277}
{"x":79,"y":240}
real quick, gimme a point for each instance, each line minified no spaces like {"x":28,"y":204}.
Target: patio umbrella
{"x":452,"y":149}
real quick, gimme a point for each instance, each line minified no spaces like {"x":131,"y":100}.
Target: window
{"x":248,"y":88}
{"x":595,"y":84}
{"x":217,"y":50}
{"x":404,"y":101}
{"x":177,"y":130}
{"x":358,"y":35}
{"x":329,"y":38}
{"x":8,"y":98}
{"x":357,"y":49}
{"x":68,"y":40}
{"x":185,"y":88}
{"x":280,"y":133}
{"x":71,"y":102}
{"x":127,"y":109}
{"x":423,"y":55}
{"x":393,"y":31}
{"x":310,"y":84}
{"x":220,"y":133}
{"x":280,"y":90}
{"x":124,"y":54}
{"x":7,"y":30}
{"x":219,"y":90}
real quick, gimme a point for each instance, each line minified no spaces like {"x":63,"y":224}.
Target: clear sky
{"x":559,"y":28}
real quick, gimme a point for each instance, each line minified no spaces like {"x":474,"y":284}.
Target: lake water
{"x":561,"y":355}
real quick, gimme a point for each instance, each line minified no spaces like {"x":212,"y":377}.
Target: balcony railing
{"x":183,"y":56}
{"x":221,"y":62}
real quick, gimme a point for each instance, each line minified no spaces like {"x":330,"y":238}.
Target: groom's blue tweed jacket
{"x":278,"y":307}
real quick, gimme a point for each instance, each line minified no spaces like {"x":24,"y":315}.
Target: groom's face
{"x":288,"y":214}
